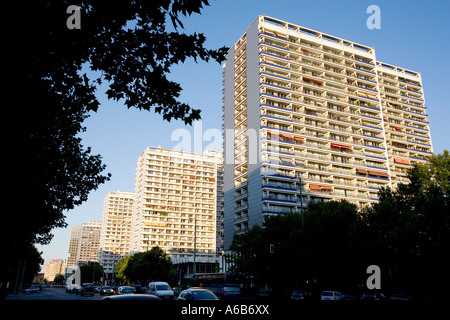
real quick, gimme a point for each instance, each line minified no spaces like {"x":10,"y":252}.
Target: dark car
{"x":197,"y":294}
{"x":133,"y":297}
{"x":106,"y":291}
{"x":348,"y":297}
{"x":297,"y":295}
{"x":76,"y":289}
{"x":373,"y":296}
{"x":400,"y":297}
{"x":88,"y":289}
{"x":139,"y":289}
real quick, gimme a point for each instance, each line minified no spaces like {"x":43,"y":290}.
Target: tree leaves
{"x":407,"y":234}
{"x":137,"y":59}
{"x":321,"y":244}
{"x":127,"y":42}
{"x":410,"y":227}
{"x":143,"y":267}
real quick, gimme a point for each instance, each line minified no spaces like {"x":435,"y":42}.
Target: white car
{"x":160,"y":289}
{"x":331,"y":295}
{"x":32,"y":289}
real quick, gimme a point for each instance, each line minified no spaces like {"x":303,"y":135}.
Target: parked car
{"x":298,"y":295}
{"x":69,"y":288}
{"x":330,"y":295}
{"x":400,"y":297}
{"x":125,"y":290}
{"x":76,"y":288}
{"x":133,"y":297}
{"x":140,"y":289}
{"x":106,"y":291}
{"x":197,"y":294}
{"x":32,"y":289}
{"x":161,"y":289}
{"x":348,"y":297}
{"x":88,"y":289}
{"x":373,"y":296}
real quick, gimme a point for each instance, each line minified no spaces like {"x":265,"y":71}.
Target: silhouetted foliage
{"x":324,"y":246}
{"x":20,"y":267}
{"x":410,"y":229}
{"x":92,"y":272}
{"x":48,"y":170}
{"x":407,"y":234}
{"x":144,"y":267}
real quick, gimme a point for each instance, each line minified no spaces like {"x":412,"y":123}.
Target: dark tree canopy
{"x":92,"y":272}
{"x":144,"y":267}
{"x":322,"y":245}
{"x":128,"y":45}
{"x":406,"y":234}
{"x":410,"y":228}
{"x":128,"y":42}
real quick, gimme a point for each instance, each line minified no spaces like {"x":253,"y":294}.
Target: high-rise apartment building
{"x":55,"y":267}
{"x":73,"y":246}
{"x":115,"y":236}
{"x":176,"y":202}
{"x":89,"y":242}
{"x":313,"y":117}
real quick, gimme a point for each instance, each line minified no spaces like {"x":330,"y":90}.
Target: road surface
{"x":53,"y":294}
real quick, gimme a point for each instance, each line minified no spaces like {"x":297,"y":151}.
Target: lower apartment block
{"x":176,"y":205}
{"x":115,"y":238}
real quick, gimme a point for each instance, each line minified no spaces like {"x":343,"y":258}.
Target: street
{"x":53,"y":294}
{"x":57,"y":297}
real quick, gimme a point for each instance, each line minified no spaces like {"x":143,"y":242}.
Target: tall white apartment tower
{"x":115,"y":237}
{"x":313,"y":117}
{"x":176,"y":202}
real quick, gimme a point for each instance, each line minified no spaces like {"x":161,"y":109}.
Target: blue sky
{"x":413,"y":35}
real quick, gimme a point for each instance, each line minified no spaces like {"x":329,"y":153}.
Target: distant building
{"x":89,"y":242}
{"x":73,"y":246}
{"x":176,"y":204}
{"x":115,"y":237}
{"x":54,"y":268}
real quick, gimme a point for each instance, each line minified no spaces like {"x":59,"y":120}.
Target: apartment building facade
{"x":176,"y":202}
{"x":73,"y":246}
{"x":313,"y":117}
{"x":88,"y":242}
{"x":54,"y":268}
{"x":115,"y":235}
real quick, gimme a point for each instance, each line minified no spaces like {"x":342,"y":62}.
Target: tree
{"x":119,"y":270}
{"x":409,"y":228}
{"x":333,"y":244}
{"x":20,"y":267}
{"x":92,"y":272}
{"x":144,"y":267}
{"x":59,"y":279}
{"x":130,"y":49}
{"x":406,"y":234}
{"x":324,"y":246}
